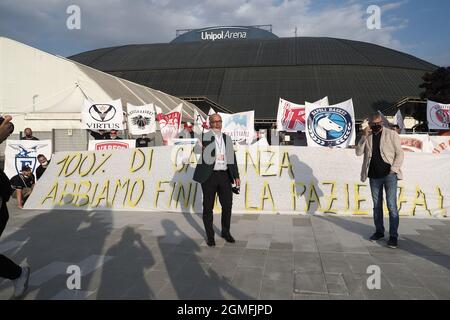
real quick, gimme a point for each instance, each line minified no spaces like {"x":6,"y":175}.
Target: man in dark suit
{"x":216,"y":171}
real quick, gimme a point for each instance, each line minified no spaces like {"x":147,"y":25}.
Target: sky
{"x":417,"y":27}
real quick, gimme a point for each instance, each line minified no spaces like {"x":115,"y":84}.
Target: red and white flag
{"x":291,"y":116}
{"x":169,"y":123}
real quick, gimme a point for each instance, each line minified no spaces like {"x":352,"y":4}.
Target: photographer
{"x":8,"y":269}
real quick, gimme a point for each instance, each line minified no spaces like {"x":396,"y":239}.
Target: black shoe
{"x":376,"y":236}
{"x":392,"y":243}
{"x":211,"y":243}
{"x":229,"y":238}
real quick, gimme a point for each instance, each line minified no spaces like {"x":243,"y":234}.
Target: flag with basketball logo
{"x":330,"y":126}
{"x":438,"y":115}
{"x":291,"y":116}
{"x":141,"y":119}
{"x":169,"y":123}
{"x":102,"y":116}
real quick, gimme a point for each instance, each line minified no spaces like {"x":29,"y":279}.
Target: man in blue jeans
{"x":383,"y":158}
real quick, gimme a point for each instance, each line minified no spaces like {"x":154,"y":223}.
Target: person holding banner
{"x":8,"y":269}
{"x":100,"y":135}
{"x":383,"y":158}
{"x":216,"y":171}
{"x":113,"y":135}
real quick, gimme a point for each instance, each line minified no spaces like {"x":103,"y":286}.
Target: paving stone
{"x":281,"y":246}
{"x":248,"y":280}
{"x":439,"y":286}
{"x":277,"y":290}
{"x":301,"y":222}
{"x":399,"y":274}
{"x":260,"y":265}
{"x":307,"y":262}
{"x":310,"y":282}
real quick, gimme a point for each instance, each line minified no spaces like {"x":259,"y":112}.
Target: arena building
{"x":237,"y":68}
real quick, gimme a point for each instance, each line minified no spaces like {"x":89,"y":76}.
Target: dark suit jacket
{"x":207,"y":159}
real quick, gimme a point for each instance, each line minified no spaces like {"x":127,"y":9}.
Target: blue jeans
{"x":390,"y":186}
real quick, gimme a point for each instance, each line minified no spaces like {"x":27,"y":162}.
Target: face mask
{"x":375,"y":128}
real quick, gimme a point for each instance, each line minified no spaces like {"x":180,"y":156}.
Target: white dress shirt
{"x":221,"y":160}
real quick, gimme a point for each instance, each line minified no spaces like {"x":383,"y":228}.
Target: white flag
{"x":239,"y":126}
{"x":398,"y":120}
{"x":438,"y":115}
{"x":169,"y":123}
{"x":20,"y":153}
{"x":141,"y":119}
{"x":200,"y":123}
{"x":330,"y":126}
{"x":102,"y":116}
{"x":384,"y":120}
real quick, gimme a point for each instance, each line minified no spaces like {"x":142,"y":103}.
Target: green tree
{"x":437,"y":88}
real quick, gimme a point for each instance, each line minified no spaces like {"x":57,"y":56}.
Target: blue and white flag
{"x":239,"y":126}
{"x":20,"y":153}
{"x":330,"y":126}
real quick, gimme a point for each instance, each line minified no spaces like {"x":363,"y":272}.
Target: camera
{"x":236,"y":189}
{"x":11,"y":127}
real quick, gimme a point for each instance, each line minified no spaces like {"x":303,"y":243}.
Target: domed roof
{"x":253,"y":74}
{"x":274,"y":52}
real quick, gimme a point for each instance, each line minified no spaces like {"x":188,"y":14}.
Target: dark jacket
{"x":5,"y":187}
{"x":206,"y":162}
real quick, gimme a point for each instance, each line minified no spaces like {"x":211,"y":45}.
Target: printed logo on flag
{"x":140,"y":121}
{"x":439,"y":115}
{"x":293,"y":117}
{"x":330,"y":126}
{"x":23,"y":157}
{"x":111,"y":145}
{"x":102,"y":112}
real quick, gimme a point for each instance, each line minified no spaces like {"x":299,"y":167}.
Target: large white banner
{"x":291,"y":116}
{"x":438,"y":115}
{"x":293,"y":180}
{"x":141,"y":119}
{"x":102,"y":116}
{"x":415,"y":143}
{"x":116,"y":144}
{"x":239,"y":126}
{"x":440,"y":144}
{"x":330,"y":126}
{"x":169,"y":123}
{"x":19,"y":153}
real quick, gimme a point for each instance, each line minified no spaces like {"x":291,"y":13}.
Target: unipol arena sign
{"x":224,"y":33}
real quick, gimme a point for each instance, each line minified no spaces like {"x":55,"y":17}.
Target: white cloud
{"x":113,"y":22}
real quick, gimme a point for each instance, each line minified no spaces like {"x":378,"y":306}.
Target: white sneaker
{"x":21,"y":283}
